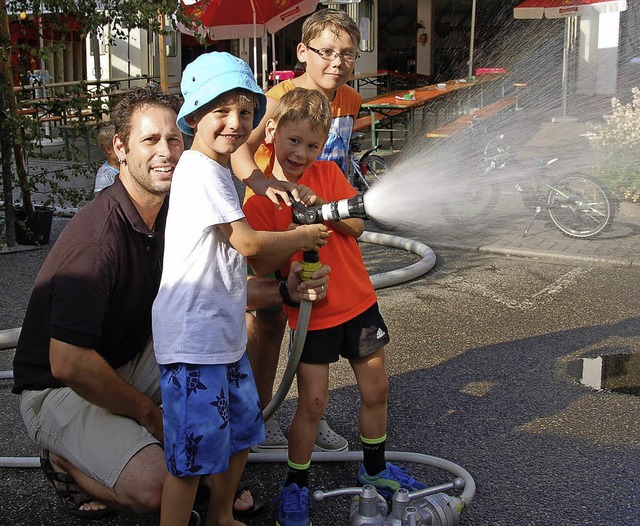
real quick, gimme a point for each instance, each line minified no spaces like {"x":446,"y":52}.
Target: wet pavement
{"x":480,"y":374}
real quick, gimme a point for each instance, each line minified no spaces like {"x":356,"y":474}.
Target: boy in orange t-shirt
{"x":346,"y":323}
{"x":329,"y":50}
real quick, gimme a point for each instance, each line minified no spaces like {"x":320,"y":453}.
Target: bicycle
{"x":364,"y":170}
{"x":579,"y":205}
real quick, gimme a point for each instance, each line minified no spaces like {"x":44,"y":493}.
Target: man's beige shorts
{"x":96,"y":441}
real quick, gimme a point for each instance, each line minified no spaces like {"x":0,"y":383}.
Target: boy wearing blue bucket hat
{"x":211,"y":409}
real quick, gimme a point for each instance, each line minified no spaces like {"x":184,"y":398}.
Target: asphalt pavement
{"x":479,"y":363}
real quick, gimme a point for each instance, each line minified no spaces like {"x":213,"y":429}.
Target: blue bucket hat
{"x":209,"y":76}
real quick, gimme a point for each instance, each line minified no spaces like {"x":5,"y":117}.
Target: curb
{"x":501,"y":251}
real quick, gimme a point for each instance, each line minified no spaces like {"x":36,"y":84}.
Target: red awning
{"x":564,"y":8}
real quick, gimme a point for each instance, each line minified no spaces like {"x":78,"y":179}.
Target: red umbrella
{"x":563,"y":8}
{"x":568,"y":9}
{"x":227,"y":19}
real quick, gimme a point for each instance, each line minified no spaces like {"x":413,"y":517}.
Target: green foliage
{"x":92,"y":15}
{"x":49,"y":183}
{"x":617,"y":143}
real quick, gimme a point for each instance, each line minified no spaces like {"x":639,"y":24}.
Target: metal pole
{"x":473,"y":36}
{"x":274,"y":61}
{"x":265,"y":60}
{"x":565,"y":64}
{"x":255,"y":43}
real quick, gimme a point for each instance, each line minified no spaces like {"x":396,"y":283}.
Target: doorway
{"x":397,"y":29}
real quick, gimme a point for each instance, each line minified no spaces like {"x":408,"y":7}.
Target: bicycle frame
{"x":358,"y":168}
{"x":579,"y":205}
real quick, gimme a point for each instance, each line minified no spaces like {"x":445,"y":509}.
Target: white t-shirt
{"x":198,"y":314}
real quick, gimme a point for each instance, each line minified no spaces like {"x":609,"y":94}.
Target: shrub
{"x":617,"y":144}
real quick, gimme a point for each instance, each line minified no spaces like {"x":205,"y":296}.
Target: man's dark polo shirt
{"x":94,"y":290}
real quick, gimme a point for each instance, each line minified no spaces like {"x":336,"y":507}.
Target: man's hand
{"x":314,"y":289}
{"x":152,"y":421}
{"x":92,"y":378}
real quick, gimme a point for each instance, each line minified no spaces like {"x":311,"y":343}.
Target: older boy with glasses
{"x":329,"y":50}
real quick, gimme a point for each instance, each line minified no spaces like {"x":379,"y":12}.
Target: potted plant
{"x":17,"y":132}
{"x":28,"y":220}
{"x":24,"y":222}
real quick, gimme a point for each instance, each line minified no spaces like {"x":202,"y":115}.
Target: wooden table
{"x":398,"y":80}
{"x":71,"y":115}
{"x":393,"y":106}
{"x":46,"y":111}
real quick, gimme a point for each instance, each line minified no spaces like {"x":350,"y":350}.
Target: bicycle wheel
{"x":372,"y":167}
{"x":581,"y":206}
{"x":473,"y":206}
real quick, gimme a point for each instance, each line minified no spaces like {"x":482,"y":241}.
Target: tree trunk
{"x":7,"y":175}
{"x":11,"y":135}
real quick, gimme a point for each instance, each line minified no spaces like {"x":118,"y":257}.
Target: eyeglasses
{"x":347,"y":57}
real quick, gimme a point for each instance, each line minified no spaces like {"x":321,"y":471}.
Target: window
{"x":171,"y":41}
{"x":363,"y":12}
{"x":367,"y":41}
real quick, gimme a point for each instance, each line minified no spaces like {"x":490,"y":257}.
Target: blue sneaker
{"x":292,"y":506}
{"x":389,"y":480}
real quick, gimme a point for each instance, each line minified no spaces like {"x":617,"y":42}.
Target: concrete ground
{"x":479,"y":366}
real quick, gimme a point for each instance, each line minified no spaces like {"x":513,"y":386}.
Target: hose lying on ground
{"x":9,"y":337}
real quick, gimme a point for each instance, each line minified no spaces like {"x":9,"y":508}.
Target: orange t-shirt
{"x":350,"y":291}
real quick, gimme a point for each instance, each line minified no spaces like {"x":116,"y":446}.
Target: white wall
{"x":598,"y":65}
{"x":368,"y":62}
{"x":423,"y":53}
{"x":133,"y":56}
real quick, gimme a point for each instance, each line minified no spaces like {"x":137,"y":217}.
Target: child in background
{"x":211,"y":410}
{"x":110,"y":169}
{"x":346,"y":323}
{"x":329,"y":50}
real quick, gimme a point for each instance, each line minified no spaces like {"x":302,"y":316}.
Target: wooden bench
{"x":46,"y":125}
{"x":463,"y":123}
{"x":365,"y":123}
{"x":27,"y":111}
{"x":50,"y":118}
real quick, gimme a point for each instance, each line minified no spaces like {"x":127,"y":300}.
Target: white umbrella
{"x":569,"y":10}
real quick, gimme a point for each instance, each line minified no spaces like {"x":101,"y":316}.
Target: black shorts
{"x":357,"y":338}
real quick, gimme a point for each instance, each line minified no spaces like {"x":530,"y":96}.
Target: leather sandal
{"x":70,"y":494}
{"x":254,"y":510}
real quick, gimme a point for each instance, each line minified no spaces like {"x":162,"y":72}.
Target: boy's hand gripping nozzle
{"x":333,"y":211}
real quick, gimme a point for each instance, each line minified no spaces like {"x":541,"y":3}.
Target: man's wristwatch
{"x":286,"y":297}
